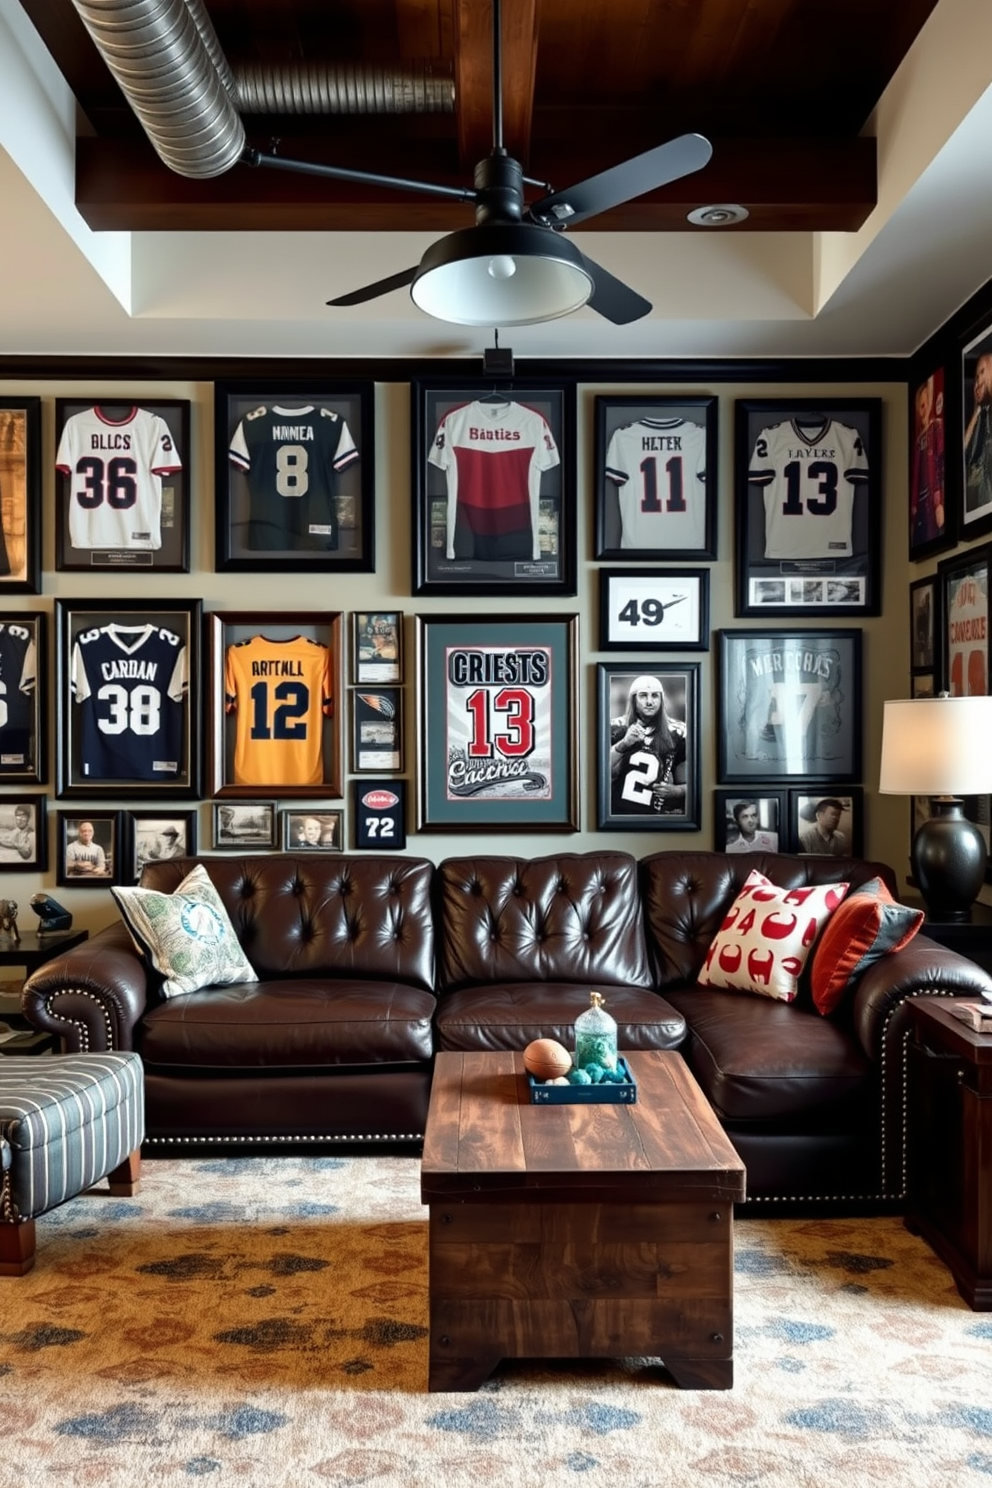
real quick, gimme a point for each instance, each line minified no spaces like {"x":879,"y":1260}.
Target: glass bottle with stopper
{"x":595,"y":1036}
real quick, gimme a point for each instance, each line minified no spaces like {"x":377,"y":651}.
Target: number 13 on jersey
{"x":653,"y":609}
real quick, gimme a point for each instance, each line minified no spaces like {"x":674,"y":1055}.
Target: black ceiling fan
{"x":514,"y":267}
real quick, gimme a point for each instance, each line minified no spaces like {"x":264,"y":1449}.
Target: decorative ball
{"x":546,"y":1059}
{"x":579,"y":1077}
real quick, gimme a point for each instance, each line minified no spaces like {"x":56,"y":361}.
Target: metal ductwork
{"x":319,"y":89}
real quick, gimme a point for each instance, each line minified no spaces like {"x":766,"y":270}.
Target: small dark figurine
{"x":8,"y":920}
{"x":51,"y":915}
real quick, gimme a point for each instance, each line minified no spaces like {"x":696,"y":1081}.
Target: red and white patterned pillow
{"x":767,"y":934}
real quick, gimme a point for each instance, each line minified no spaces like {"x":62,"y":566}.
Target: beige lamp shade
{"x":936,"y":747}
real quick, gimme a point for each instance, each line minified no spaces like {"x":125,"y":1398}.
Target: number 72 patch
{"x":380,"y":814}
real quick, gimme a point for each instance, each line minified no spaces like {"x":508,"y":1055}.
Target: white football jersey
{"x":659,"y":466}
{"x":809,"y":470}
{"x":115,"y":468}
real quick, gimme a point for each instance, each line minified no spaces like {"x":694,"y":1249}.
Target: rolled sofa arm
{"x":92,"y":996}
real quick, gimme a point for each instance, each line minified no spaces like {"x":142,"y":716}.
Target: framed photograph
{"x":789,"y":705}
{"x":88,"y":848}
{"x":154,"y":837}
{"x":654,"y":609}
{"x":750,"y":823}
{"x":827,"y":823}
{"x":23,"y":834}
{"x":20,"y":495}
{"x":964,"y":610}
{"x":493,"y":489}
{"x":311,"y":831}
{"x":123,"y":485}
{"x":976,"y":443}
{"x":497,"y":735}
{"x":808,"y":500}
{"x":275,"y":703}
{"x":932,"y":524}
{"x":647,"y":752}
{"x":923,"y":624}
{"x":24,"y":691}
{"x":128,"y":698}
{"x":922,"y":685}
{"x":377,"y":646}
{"x":377,"y":730}
{"x":656,"y":486}
{"x":295,"y":476}
{"x":380,"y":814}
{"x":244,"y":826}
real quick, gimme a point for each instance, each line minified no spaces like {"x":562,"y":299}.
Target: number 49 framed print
{"x":654,"y":609}
{"x":497,"y":736}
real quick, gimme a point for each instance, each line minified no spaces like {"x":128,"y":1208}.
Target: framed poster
{"x":923,"y":624}
{"x":964,"y":610}
{"x":123,"y":486}
{"x":377,"y":646}
{"x":20,"y":495}
{"x":656,"y":487}
{"x":932,"y":524}
{"x":244,"y":826}
{"x":498,"y":733}
{"x":24,"y":690}
{"x":377,"y":730}
{"x":128,"y":698}
{"x":311,"y":831}
{"x":275,"y":703}
{"x":654,"y":609}
{"x":827,"y":823}
{"x":647,"y":750}
{"x":88,"y":848}
{"x":808,"y":501}
{"x":295,"y":476}
{"x":789,"y":705}
{"x":976,"y":442}
{"x":493,"y":489}
{"x":23,"y":834}
{"x":155,"y":837}
{"x":380,"y":814}
{"x":755,"y":822}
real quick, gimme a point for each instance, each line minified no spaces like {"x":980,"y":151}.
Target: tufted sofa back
{"x":571,"y":917}
{"x":687,"y":894}
{"x":334,"y":915}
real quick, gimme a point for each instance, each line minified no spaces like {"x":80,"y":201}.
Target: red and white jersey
{"x":967,"y":636}
{"x":493,"y":456}
{"x":810,"y":469}
{"x":115,"y":467}
{"x":659,"y":466}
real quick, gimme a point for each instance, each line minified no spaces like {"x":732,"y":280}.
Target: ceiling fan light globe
{"x":502,"y":266}
{"x":455,"y":281}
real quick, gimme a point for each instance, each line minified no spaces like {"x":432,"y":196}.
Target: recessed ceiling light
{"x":721,"y":214}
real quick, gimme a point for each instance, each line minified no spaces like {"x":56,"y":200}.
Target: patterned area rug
{"x":262,"y":1321}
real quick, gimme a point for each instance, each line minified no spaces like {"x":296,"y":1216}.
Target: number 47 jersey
{"x":130,"y":684}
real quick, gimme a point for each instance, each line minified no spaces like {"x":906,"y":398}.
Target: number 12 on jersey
{"x":651,"y":609}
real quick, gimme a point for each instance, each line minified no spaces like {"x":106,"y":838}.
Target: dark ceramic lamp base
{"x":948,"y":858}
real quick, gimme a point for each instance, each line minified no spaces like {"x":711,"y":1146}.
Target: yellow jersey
{"x":280,"y":692}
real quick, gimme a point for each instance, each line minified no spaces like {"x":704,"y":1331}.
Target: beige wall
{"x":886,"y":637}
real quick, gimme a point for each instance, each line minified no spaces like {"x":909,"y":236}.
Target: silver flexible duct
{"x":320,"y":89}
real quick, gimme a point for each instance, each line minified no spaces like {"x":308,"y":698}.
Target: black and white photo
{"x":155,"y":837}
{"x":311,"y":831}
{"x":88,"y":848}
{"x":244,"y":825}
{"x":648,"y":747}
{"x":23,"y":834}
{"x":923,"y":623}
{"x":748,"y":823}
{"x":827,"y":823}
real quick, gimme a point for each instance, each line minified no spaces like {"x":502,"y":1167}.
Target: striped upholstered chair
{"x":65,"y":1123}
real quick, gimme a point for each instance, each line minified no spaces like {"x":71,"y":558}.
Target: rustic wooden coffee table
{"x":577,"y":1231}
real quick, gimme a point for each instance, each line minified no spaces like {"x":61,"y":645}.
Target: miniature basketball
{"x":546,"y":1059}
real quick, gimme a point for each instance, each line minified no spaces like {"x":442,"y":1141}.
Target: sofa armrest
{"x":92,"y":996}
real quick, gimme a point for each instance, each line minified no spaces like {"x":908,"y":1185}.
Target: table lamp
{"x":941,"y":747}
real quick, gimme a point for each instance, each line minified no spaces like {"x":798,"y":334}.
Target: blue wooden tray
{"x":585,"y":1095}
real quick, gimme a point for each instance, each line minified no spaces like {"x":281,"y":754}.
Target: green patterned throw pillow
{"x":187,"y":936}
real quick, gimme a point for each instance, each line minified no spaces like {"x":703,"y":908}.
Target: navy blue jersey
{"x":130,"y":683}
{"x":292,"y":458}
{"x":17,"y":680}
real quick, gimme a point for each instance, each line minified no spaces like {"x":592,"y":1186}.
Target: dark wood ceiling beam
{"x":474,"y":77}
{"x":796,"y":185}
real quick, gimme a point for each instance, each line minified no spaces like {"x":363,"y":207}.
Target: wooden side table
{"x":971,"y":938}
{"x":950,"y":1145}
{"x":32,"y":951}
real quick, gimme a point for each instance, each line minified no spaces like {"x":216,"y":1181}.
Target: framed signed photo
{"x":377,"y":646}
{"x":20,"y":495}
{"x":23,"y":834}
{"x":295,"y":476}
{"x":377,"y":730}
{"x":312,"y":831}
{"x":647,"y":753}
{"x":497,"y":735}
{"x":656,"y":490}
{"x":976,"y":439}
{"x":155,"y":837}
{"x":24,"y":690}
{"x":789,"y":705}
{"x":654,"y":609}
{"x":749,"y":822}
{"x":923,"y":624}
{"x":128,"y":698}
{"x":493,"y":489}
{"x":964,"y":609}
{"x":827,"y":823}
{"x":275,"y":703}
{"x":808,"y":484}
{"x":123,"y":486}
{"x":932,"y":524}
{"x":88,"y":848}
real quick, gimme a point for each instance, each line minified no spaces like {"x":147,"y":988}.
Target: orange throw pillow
{"x":869,"y":924}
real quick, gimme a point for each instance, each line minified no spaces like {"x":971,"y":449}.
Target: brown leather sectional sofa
{"x":368,"y":965}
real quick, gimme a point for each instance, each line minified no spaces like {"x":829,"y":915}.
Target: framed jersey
{"x":123,"y":485}
{"x":933,"y":515}
{"x":647,"y":751}
{"x":23,"y":692}
{"x":20,"y":495}
{"x":808,"y":495}
{"x":493,"y":489}
{"x":963,"y":608}
{"x":128,"y":698}
{"x":275,"y":703}
{"x":295,"y":476}
{"x":656,"y":477}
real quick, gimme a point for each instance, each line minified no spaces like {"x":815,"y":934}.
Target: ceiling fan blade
{"x":621,"y":183}
{"x":611,"y":298}
{"x":381,"y":287}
